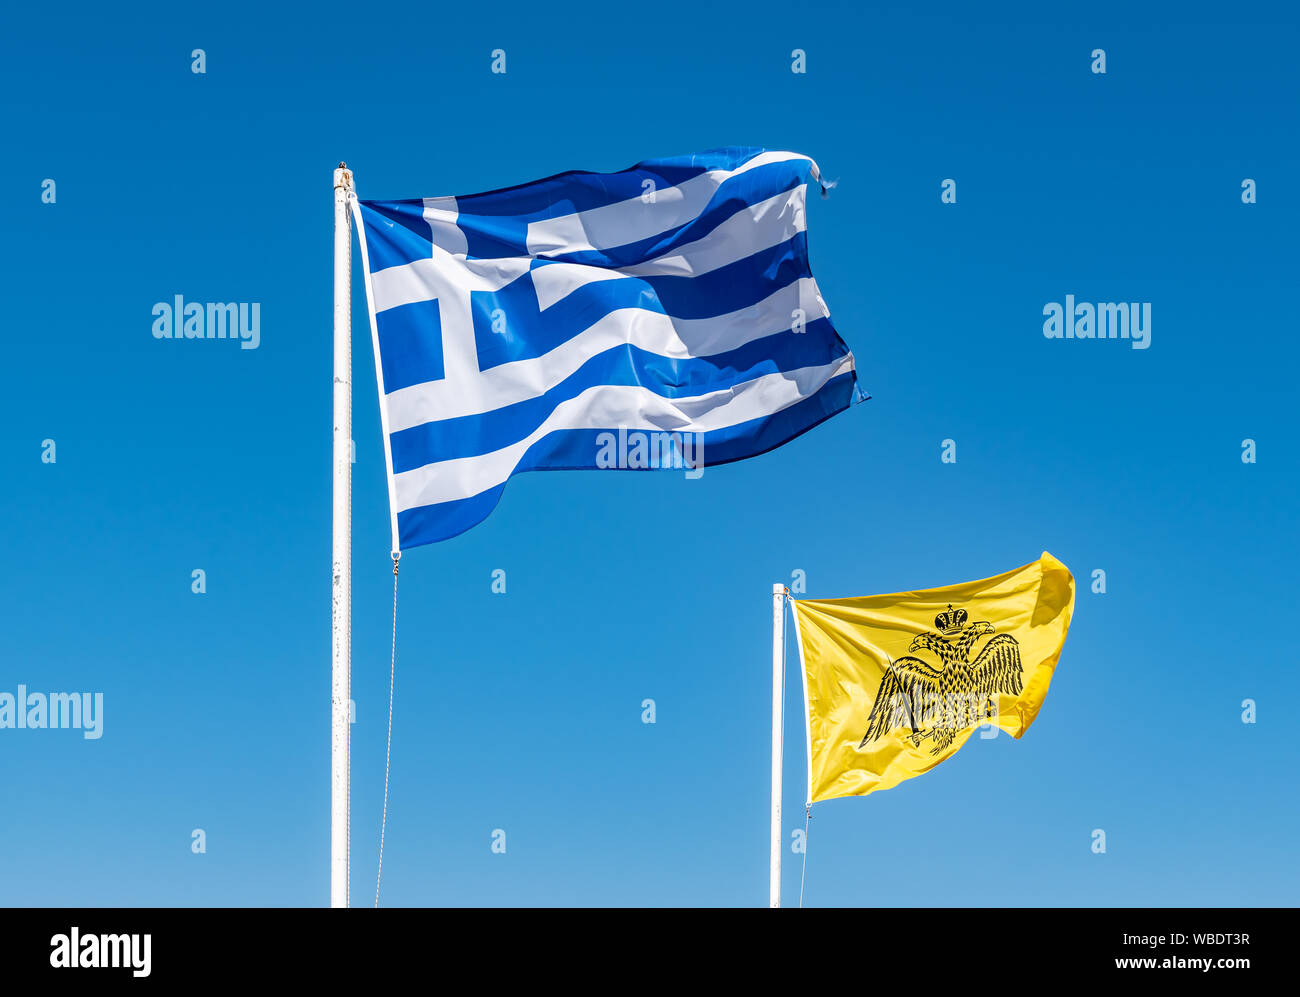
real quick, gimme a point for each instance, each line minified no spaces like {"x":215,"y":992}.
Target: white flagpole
{"x":341,"y":681}
{"x":778,"y":737}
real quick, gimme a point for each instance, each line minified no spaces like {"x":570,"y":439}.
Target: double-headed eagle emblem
{"x":938,"y":702}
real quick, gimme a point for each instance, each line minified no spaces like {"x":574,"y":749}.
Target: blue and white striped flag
{"x":536,"y":328}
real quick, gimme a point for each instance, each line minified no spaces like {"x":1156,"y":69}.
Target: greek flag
{"x":539,"y":327}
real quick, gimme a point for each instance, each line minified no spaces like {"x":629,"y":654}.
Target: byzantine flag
{"x":896,"y":683}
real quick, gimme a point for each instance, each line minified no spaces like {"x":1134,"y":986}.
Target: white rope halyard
{"x":388,"y":751}
{"x":807,"y":819}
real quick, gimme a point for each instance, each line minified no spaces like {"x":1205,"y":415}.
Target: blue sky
{"x":522,"y":711}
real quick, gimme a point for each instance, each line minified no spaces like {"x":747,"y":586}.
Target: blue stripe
{"x":428,"y":524}
{"x":481,"y":433}
{"x":732,"y":196}
{"x":495,"y":224}
{"x":577,"y":450}
{"x":491,"y":236}
{"x":582,"y":190}
{"x":531,"y":332}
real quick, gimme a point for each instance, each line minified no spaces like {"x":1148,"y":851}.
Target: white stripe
{"x":556,"y":281}
{"x":422,"y":280}
{"x":807,"y":709}
{"x":633,"y":220}
{"x":760,"y":226}
{"x":610,"y":406}
{"x":651,"y":331}
{"x":441,"y":214}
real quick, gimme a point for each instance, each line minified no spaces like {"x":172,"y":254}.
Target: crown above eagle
{"x":951,"y":621}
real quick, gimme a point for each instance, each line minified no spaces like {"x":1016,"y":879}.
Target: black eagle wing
{"x":998,"y":667}
{"x":908,"y":679}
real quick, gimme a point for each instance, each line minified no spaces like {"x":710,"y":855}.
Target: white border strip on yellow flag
{"x":807,"y":713}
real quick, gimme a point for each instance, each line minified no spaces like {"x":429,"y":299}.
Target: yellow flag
{"x":896,"y":683}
